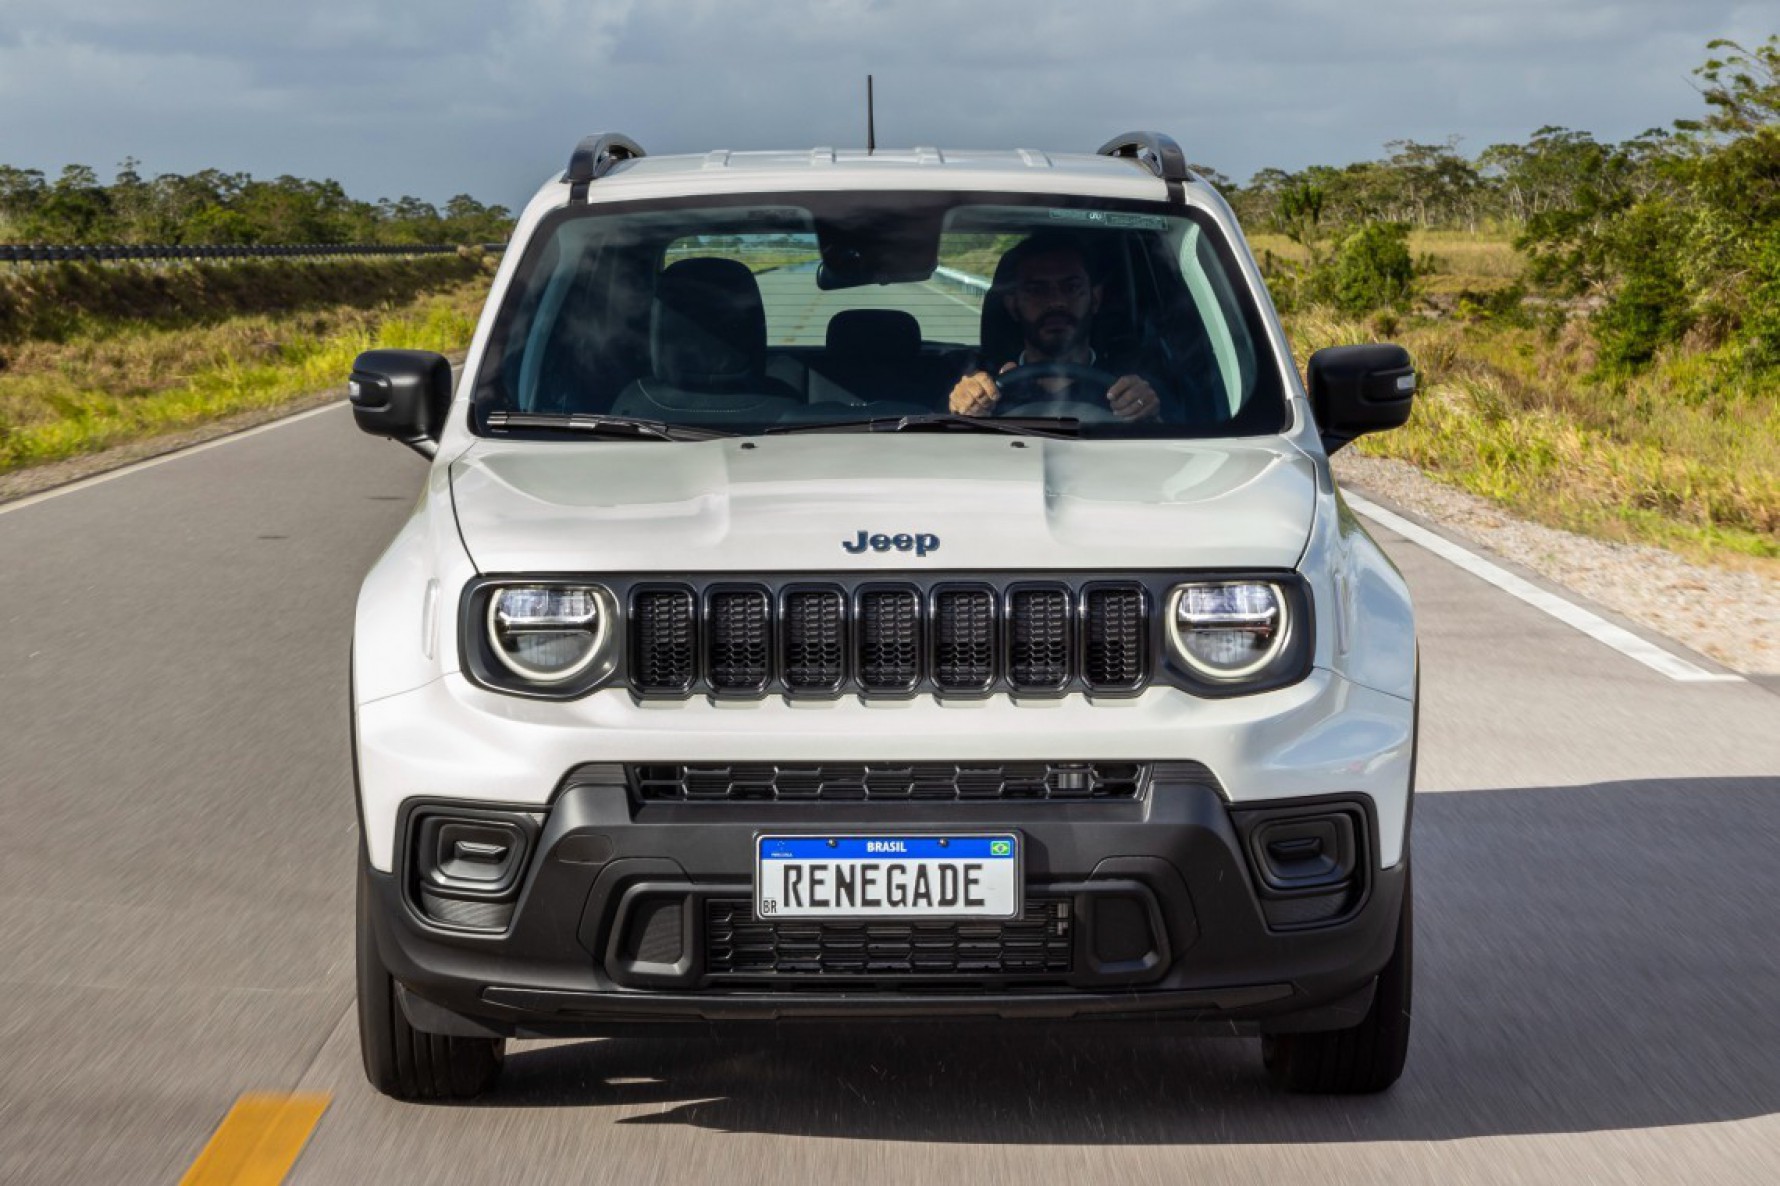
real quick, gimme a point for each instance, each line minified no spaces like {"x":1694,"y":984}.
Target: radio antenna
{"x":871,"y":126}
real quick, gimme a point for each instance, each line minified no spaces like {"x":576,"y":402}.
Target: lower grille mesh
{"x":738,"y":946}
{"x":892,"y":781}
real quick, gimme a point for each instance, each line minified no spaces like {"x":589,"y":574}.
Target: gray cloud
{"x":489,"y":97}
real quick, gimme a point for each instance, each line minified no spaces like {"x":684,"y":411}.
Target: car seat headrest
{"x":709,"y":328}
{"x":874,"y":335}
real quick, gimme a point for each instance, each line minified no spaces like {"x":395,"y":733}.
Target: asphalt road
{"x":1597,"y":847}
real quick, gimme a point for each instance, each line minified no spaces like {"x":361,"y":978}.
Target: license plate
{"x":975,"y":876}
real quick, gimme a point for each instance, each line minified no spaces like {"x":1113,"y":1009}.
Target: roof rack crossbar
{"x":594,"y":157}
{"x":1154,"y":151}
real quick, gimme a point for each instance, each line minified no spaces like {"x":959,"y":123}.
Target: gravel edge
{"x":1731,"y":616}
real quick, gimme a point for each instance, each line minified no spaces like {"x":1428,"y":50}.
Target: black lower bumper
{"x":1155,"y":913}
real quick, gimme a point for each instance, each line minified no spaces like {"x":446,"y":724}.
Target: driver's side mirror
{"x":403,"y":395}
{"x":1355,"y":390}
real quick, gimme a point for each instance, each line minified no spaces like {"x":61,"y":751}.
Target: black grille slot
{"x":1038,"y":639}
{"x":662,"y":636}
{"x":1116,"y":650}
{"x":889,"y":640}
{"x":1039,"y":944}
{"x":815,"y":633}
{"x":889,"y":781}
{"x":964,"y":640}
{"x":737,"y":637}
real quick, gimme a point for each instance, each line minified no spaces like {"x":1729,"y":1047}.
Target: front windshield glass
{"x":808,"y":311}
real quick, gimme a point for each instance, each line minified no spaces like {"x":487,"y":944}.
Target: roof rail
{"x":1154,"y":151}
{"x":594,"y":157}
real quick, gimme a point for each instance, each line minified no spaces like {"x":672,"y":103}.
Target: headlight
{"x":1228,"y":630}
{"x":547,"y":634}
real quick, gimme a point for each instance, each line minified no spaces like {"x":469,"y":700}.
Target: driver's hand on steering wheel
{"x":976,"y":394}
{"x":1131,"y":398}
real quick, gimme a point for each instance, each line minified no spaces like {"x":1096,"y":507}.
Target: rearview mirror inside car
{"x":1355,"y":390}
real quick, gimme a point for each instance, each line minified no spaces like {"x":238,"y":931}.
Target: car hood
{"x":959,"y":502}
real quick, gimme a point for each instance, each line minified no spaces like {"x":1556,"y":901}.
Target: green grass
{"x":116,"y":383}
{"x":1447,"y":262}
{"x":1685,"y":455}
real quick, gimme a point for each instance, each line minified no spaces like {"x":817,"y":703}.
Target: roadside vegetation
{"x":104,"y":380}
{"x":213,"y":208}
{"x":93,"y":355}
{"x":1597,"y":325}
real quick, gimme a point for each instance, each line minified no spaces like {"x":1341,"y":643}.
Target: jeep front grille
{"x":888,"y":781}
{"x":887,"y":639}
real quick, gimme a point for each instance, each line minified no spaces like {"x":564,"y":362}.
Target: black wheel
{"x":1365,"y":1059}
{"x":400,"y":1060}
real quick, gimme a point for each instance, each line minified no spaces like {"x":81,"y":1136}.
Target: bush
{"x":1373,"y":269}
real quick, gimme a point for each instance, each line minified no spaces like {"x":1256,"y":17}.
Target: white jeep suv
{"x":855,"y":588}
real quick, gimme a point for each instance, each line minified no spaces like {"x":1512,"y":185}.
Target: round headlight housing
{"x":547,"y":634}
{"x":1228,"y":630}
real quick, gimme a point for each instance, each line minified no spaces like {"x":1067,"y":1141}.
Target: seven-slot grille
{"x":729,"y":782}
{"x":1039,"y":943}
{"x":744,"y":639}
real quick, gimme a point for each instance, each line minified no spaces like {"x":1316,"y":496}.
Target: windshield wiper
{"x":614,"y":427}
{"x":1060,"y":427}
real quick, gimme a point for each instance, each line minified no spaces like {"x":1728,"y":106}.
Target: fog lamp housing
{"x":466,"y":867}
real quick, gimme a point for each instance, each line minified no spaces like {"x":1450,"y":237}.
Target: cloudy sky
{"x":454,"y":96}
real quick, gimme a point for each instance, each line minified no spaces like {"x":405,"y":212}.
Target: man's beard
{"x":1054,"y":333}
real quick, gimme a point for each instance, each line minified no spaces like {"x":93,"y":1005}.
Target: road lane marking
{"x":149,"y":463}
{"x":1591,"y":624}
{"x":258,"y":1141}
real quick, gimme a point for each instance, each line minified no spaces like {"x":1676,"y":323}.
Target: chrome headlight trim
{"x":1277,"y":622}
{"x":510,"y":673}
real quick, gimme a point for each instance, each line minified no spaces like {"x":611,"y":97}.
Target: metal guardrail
{"x":122,"y":253}
{"x":963,"y":281}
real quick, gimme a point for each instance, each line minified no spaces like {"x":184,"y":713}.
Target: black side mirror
{"x":1355,"y":390}
{"x":402,"y":394}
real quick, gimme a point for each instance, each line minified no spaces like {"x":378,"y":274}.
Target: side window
{"x":1230,"y":344}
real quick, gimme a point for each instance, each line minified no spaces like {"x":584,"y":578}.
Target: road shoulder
{"x":1731,"y":616}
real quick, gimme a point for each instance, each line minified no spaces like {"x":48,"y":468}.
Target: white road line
{"x":1591,"y":624}
{"x":150,"y":463}
{"x":952,"y":296}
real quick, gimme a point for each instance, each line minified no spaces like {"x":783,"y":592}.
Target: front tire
{"x":404,"y":1062}
{"x":1367,"y":1058}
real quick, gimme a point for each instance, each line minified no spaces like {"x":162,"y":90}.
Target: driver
{"x":1051,"y":296}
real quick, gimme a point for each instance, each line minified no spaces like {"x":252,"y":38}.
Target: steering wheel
{"x":1043,"y":403}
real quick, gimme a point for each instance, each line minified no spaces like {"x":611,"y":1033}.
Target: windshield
{"x":822,"y":312}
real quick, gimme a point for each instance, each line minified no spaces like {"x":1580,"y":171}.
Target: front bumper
{"x":612,"y":929}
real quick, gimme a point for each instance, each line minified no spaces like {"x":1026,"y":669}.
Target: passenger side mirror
{"x":403,"y":395}
{"x":1355,"y":390}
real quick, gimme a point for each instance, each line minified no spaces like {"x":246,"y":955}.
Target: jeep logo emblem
{"x":920,"y":545}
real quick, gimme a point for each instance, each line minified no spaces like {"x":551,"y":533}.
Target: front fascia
{"x":451,"y":740}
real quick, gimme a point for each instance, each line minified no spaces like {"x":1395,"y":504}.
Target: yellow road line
{"x":258,"y":1141}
